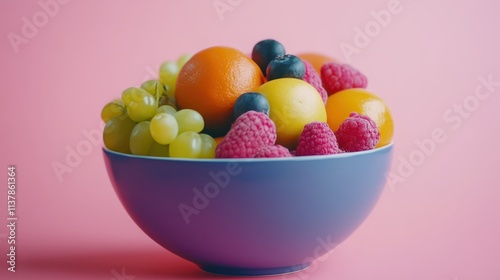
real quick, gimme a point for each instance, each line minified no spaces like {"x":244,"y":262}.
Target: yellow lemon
{"x":342,"y":103}
{"x":293,"y":103}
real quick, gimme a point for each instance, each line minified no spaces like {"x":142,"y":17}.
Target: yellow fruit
{"x":293,"y":104}
{"x":342,"y":103}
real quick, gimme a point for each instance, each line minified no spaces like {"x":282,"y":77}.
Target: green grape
{"x":128,"y":94}
{"x":166,"y":109}
{"x":113,"y":109}
{"x":155,"y":88}
{"x":141,"y":105}
{"x":186,"y":145}
{"x":208,"y":146}
{"x":158,"y":150}
{"x":183,"y":59}
{"x":117,"y":134}
{"x":168,"y":76}
{"x":164,"y":128}
{"x":189,"y":120}
{"x":141,"y":140}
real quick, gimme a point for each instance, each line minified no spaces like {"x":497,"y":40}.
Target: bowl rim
{"x":276,"y":159}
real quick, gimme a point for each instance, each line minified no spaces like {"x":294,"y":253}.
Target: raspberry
{"x":317,"y":139}
{"x":249,"y":132}
{"x":336,"y":77}
{"x":272,"y":151}
{"x":313,"y":78}
{"x":357,"y":133}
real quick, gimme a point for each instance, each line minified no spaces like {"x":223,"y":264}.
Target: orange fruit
{"x":361,"y":101}
{"x":218,"y":140}
{"x":316,"y":59}
{"x":211,"y":81}
{"x":293,"y":103}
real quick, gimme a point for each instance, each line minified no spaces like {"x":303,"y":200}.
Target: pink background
{"x":441,"y":220}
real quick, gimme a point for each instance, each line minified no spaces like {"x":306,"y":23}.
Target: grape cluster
{"x":145,"y":121}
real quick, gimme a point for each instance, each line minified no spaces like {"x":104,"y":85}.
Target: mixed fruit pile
{"x":221,"y":103}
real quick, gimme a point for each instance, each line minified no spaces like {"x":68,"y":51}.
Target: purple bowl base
{"x":253,"y":272}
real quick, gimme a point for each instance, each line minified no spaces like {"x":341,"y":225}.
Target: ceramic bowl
{"x":249,"y":216}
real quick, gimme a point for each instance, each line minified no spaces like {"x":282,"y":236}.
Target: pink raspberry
{"x":317,"y":139}
{"x":272,"y":151}
{"x":313,"y":78}
{"x":250,"y":131}
{"x":357,"y":133}
{"x":336,"y":77}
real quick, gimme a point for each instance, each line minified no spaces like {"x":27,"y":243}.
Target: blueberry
{"x":265,"y":51}
{"x":250,"y":101}
{"x":285,"y":66}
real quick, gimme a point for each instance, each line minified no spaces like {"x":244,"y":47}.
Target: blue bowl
{"x":249,"y":216}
